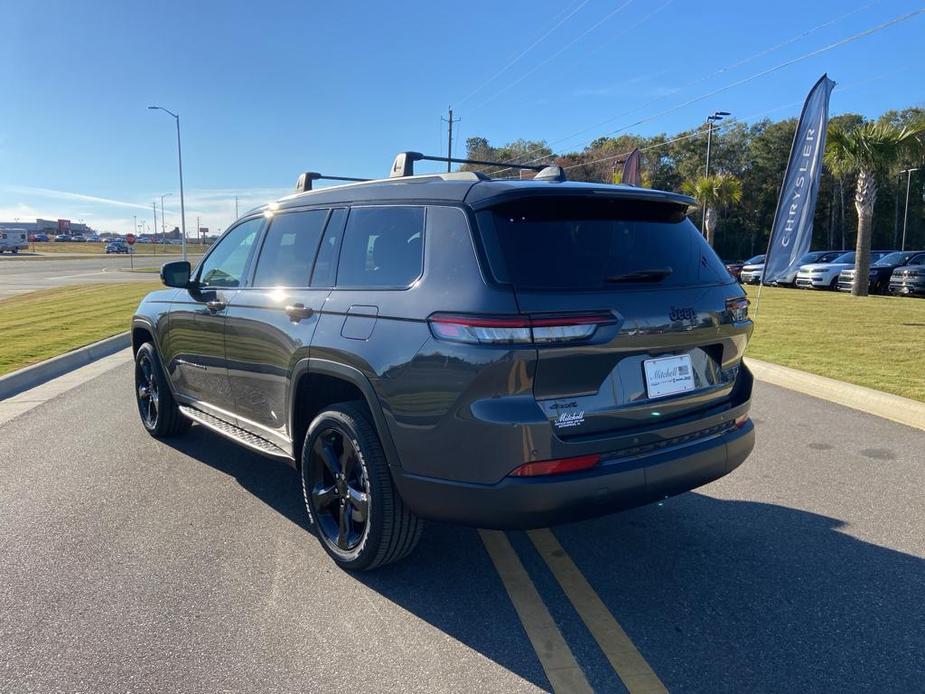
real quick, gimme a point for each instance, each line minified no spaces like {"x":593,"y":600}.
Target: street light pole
{"x":906,"y":213}
{"x":711,"y":119}
{"x":176,"y":117}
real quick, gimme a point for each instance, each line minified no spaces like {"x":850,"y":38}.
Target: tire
{"x":159,"y":413}
{"x":344,"y":469}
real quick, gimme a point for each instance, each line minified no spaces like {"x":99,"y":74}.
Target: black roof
{"x":465,"y":187}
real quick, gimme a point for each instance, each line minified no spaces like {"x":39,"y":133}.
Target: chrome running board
{"x":236,"y":434}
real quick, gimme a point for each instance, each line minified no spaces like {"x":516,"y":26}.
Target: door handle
{"x":297,"y":312}
{"x":215,"y":306}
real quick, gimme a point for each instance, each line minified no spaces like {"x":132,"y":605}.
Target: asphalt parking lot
{"x":127,"y":564}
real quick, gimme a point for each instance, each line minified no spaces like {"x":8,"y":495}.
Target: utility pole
{"x":235,"y":206}
{"x":198,"y":230}
{"x":154,"y":208}
{"x":906,"y":214}
{"x":449,"y":136}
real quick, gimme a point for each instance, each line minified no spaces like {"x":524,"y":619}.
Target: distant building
{"x":48,"y":226}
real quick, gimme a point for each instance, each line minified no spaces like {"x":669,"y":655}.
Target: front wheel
{"x":358,"y":516}
{"x":158,"y":410}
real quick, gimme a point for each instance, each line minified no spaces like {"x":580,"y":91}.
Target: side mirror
{"x":176,"y":274}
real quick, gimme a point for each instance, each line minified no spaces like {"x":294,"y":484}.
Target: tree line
{"x":755,"y":155}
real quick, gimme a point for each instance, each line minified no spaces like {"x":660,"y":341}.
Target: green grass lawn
{"x":875,"y":341}
{"x":44,"y":324}
{"x":100,"y":247}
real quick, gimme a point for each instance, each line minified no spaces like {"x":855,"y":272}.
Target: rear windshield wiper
{"x":652,"y":275}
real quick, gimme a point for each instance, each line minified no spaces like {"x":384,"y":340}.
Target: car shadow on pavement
{"x":717,"y":595}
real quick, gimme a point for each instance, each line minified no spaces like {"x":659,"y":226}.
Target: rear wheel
{"x":158,"y":410}
{"x":358,"y":516}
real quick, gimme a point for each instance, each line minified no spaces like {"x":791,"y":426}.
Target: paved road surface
{"x":20,"y":274}
{"x":127,"y":564}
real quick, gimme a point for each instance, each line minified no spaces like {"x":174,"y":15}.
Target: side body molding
{"x":355,"y":377}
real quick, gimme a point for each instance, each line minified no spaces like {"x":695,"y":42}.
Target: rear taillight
{"x":741,"y":420}
{"x":474,"y":329}
{"x":559,"y":466}
{"x":738,"y":308}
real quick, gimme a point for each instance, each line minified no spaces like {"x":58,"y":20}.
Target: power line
{"x":725,"y":126}
{"x":744,"y":80}
{"x":570,"y":44}
{"x":726,"y":68}
{"x":524,"y":52}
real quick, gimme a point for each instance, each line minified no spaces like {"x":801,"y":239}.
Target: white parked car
{"x":752,"y":270}
{"x":813,"y":257}
{"x":825,"y":275}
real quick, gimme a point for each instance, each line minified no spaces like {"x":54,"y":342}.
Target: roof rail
{"x":404,"y":163}
{"x":305,"y":180}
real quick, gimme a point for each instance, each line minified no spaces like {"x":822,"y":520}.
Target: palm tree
{"x":869,"y":151}
{"x":713,"y":193}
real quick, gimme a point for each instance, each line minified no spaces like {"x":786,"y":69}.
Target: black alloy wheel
{"x":158,"y":410}
{"x":340,"y":494}
{"x":147,"y":391}
{"x":356,"y":512}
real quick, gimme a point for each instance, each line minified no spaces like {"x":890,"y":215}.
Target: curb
{"x":37,"y":374}
{"x":893,"y":407}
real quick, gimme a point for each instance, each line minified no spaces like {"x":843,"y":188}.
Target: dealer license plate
{"x":668,"y":375}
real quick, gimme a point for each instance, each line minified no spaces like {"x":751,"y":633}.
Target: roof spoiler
{"x":404,"y":165}
{"x":305,"y":180}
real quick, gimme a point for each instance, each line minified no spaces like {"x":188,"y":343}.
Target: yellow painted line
{"x":553,"y":652}
{"x":623,"y":655}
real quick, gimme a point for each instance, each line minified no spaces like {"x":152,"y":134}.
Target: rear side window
{"x":382,"y":247}
{"x":289,"y":249}
{"x":564,"y":243}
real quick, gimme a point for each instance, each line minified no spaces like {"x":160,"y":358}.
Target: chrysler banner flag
{"x":792,"y":231}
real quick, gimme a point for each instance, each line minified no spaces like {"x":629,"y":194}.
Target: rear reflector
{"x":557,"y":467}
{"x":741,"y":420}
{"x":516,"y":329}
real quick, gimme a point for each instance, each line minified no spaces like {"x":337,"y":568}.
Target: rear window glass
{"x":593,"y":244}
{"x":382,"y":247}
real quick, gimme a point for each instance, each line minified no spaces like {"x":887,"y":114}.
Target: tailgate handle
{"x":297,"y":312}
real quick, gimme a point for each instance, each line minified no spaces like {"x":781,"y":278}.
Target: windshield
{"x":817,"y":257}
{"x":898,"y":258}
{"x":847,"y":258}
{"x":564,"y":243}
{"x":755,"y":261}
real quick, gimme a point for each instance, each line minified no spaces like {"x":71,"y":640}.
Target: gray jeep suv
{"x":496,"y":353}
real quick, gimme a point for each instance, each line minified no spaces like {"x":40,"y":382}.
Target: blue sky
{"x":269,"y":89}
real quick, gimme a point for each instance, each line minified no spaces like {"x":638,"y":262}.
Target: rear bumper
{"x":615,"y":484}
